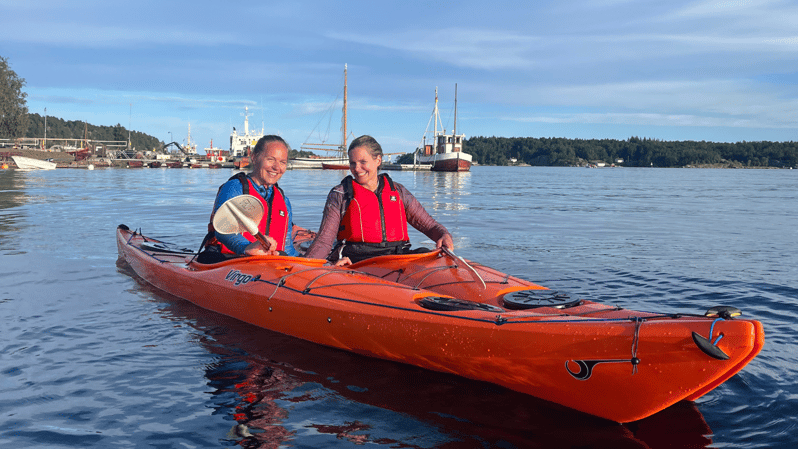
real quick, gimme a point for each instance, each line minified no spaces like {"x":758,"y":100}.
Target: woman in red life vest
{"x":269,"y":162}
{"x":368,"y":213}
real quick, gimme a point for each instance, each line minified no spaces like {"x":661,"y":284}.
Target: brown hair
{"x":369,"y":142}
{"x":265,"y":140}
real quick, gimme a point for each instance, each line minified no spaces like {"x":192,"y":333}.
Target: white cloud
{"x":462,"y":47}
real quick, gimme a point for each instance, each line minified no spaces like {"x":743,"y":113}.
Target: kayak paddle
{"x":238,"y":215}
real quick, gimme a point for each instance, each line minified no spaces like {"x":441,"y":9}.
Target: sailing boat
{"x":445,"y":153}
{"x":339,"y":162}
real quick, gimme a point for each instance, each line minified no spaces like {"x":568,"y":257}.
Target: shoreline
{"x":66,"y":160}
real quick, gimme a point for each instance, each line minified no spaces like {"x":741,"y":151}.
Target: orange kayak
{"x":443,"y":313}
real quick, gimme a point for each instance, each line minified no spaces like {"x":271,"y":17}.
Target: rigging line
{"x":520,"y":320}
{"x":308,"y":289}
{"x":431,"y":286}
{"x":400,"y":271}
{"x":394,"y":285}
{"x":492,"y":320}
{"x":608,"y":309}
{"x":432,"y":271}
{"x":328,"y":113}
{"x":149,"y":254}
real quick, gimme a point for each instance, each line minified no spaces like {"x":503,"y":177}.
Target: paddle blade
{"x":238,"y":215}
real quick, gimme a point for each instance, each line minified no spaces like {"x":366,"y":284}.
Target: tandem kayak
{"x":441,"y":312}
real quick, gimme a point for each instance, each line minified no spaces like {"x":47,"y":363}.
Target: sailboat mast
{"x":436,"y":113}
{"x":455,"y":110}
{"x":344,"y":116}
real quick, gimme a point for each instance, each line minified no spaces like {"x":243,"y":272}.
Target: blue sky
{"x":712,"y":70}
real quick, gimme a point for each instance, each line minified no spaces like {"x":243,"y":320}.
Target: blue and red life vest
{"x":274,"y":222}
{"x":373,"y":217}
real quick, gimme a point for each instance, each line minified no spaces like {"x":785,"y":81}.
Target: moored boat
{"x":340,"y":160}
{"x":445,"y":153}
{"x":29,"y":163}
{"x":242,"y":144}
{"x":438,"y":311}
{"x":341,"y":164}
{"x":80,"y":154}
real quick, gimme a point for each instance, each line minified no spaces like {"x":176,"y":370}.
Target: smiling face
{"x":270,"y":164}
{"x":364,"y":167}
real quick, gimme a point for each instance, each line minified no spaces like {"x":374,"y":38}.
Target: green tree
{"x":13,"y":107}
{"x":406,"y":158}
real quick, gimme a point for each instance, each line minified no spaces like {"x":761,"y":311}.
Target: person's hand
{"x":256,"y":249}
{"x":343,"y":262}
{"x":445,"y":242}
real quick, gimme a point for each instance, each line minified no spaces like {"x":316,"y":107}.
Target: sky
{"x":713,"y":70}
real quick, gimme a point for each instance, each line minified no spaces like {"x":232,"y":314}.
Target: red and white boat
{"x":445,"y":152}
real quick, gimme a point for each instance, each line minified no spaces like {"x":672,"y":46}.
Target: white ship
{"x":190,"y":149}
{"x":242,"y":144}
{"x":27,"y":163}
{"x":445,"y":153}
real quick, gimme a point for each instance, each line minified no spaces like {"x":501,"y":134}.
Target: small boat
{"x":80,"y":154}
{"x":135,"y":163}
{"x":445,"y":153}
{"x":28,"y":163}
{"x":441,"y":312}
{"x":241,"y":163}
{"x":174,"y":164}
{"x":342,"y":164}
{"x":217,"y":158}
{"x":154,"y":164}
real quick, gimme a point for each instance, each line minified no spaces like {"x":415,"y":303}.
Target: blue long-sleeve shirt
{"x":236,"y":242}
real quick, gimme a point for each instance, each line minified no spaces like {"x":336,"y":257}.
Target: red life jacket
{"x":373,"y":217}
{"x":275,"y":218}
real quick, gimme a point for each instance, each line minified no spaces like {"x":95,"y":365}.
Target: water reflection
{"x":276,"y":389}
{"x":12,"y":196}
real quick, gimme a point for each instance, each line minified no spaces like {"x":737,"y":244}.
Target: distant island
{"x":633,"y":152}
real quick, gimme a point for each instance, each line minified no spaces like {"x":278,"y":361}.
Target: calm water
{"x":92,"y":357}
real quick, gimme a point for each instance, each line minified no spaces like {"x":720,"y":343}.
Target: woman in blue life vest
{"x":368,"y":214}
{"x":269,"y":162}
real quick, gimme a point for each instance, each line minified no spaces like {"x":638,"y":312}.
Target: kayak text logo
{"x":239,"y":278}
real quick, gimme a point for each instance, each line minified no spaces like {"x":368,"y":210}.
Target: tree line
{"x":634,"y":152}
{"x":73,"y":129}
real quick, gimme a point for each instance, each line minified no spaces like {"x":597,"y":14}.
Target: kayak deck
{"x":441,"y":312}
